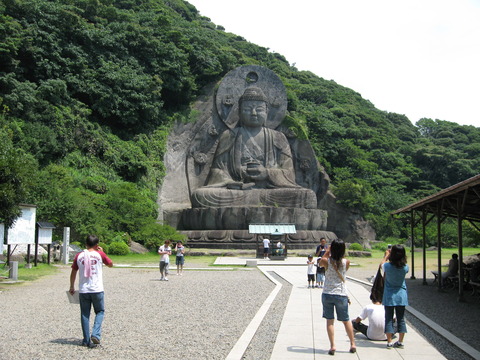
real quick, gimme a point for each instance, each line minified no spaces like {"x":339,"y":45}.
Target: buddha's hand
{"x":257,"y":173}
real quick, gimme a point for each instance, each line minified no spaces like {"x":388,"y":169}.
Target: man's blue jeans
{"x":86,"y":302}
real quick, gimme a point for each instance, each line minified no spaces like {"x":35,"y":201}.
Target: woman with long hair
{"x":395,"y":297}
{"x":335,"y":296}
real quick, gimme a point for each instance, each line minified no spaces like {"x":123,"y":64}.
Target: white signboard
{"x":2,"y":237}
{"x":44,"y":236}
{"x":23,"y":230}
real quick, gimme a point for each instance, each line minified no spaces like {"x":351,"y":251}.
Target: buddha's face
{"x":253,"y":113}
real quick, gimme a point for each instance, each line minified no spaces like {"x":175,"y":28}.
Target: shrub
{"x":104,"y":247}
{"x":79,"y":244}
{"x":118,"y":248}
{"x":153,"y":235}
{"x":382,"y":246}
{"x":355,"y":247}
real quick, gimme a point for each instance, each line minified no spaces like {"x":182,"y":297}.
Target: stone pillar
{"x":13,"y":270}
{"x":66,"y":245}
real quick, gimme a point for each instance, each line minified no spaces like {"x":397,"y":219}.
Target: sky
{"x":420,"y":58}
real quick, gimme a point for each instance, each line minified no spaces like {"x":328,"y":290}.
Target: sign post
{"x":22,"y":230}
{"x":44,"y":237}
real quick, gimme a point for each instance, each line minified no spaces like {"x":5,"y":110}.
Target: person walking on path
{"x":334,"y":296}
{"x":165,"y":251}
{"x":395,"y":297}
{"x":180,"y":258}
{"x":310,"y":272}
{"x":90,"y":286}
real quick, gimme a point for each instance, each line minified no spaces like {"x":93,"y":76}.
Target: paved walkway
{"x":302,"y":334}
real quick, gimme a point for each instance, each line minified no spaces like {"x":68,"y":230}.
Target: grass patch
{"x":153,"y":258}
{"x":150,"y":258}
{"x":32,"y":274}
{"x":36,"y":272}
{"x":431,"y":258}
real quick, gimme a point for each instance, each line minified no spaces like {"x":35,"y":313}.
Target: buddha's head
{"x":253,"y":108}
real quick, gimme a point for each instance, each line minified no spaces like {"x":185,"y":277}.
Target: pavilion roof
{"x":462,"y":198}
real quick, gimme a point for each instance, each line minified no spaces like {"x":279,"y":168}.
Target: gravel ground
{"x":199,"y":315}
{"x":196,"y":316}
{"x":262,"y":344}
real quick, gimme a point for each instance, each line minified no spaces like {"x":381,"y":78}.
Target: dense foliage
{"x":89,"y":88}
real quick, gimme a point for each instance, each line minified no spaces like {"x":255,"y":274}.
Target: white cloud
{"x":418,"y":58}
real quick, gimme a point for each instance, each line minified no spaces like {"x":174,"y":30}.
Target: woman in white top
{"x":334,"y":296}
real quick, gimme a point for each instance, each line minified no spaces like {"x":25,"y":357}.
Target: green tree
{"x":17,"y":172}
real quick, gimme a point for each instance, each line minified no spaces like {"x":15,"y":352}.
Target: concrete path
{"x":302,"y":334}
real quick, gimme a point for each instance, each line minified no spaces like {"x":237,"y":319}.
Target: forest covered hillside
{"x":89,"y":90}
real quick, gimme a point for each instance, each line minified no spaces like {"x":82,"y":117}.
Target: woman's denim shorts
{"x":180,"y":260}
{"x":339,"y":302}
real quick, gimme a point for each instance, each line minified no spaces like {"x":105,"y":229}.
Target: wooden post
{"x":28,"y":265}
{"x":35,"y":261}
{"x":49,"y":247}
{"x":439,"y":246}
{"x":9,"y":249}
{"x":412,"y":228}
{"x":461,"y":297}
{"x":424,"y":236}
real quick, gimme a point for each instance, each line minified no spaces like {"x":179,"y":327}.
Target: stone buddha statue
{"x":253,"y":164}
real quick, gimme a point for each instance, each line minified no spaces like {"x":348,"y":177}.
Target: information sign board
{"x":23,"y":229}
{"x":44,"y":236}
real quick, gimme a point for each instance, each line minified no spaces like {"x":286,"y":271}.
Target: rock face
{"x":237,"y":164}
{"x":137,"y":248}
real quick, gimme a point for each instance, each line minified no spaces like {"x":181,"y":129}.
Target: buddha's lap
{"x":280,"y":197}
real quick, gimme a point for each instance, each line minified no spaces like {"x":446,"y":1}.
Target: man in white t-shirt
{"x":266,"y":246}
{"x":375,"y":313}
{"x":165,"y":251}
{"x":88,"y":264}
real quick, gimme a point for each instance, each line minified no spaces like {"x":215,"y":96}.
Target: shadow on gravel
{"x":70,"y":341}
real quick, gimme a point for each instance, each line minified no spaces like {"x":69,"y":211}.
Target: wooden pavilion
{"x":460,"y":201}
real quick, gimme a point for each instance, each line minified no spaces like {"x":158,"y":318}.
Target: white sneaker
{"x":165,"y":279}
{"x":161,"y":279}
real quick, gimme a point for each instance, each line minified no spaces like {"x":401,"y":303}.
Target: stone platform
{"x":242,"y":239}
{"x":235,"y":218}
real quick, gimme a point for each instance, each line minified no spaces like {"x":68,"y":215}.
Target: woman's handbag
{"x":376,"y":294}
